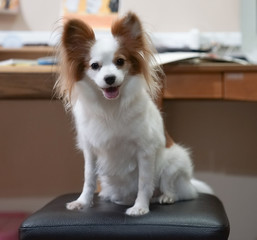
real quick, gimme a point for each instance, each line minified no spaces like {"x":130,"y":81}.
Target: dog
{"x":111,"y":86}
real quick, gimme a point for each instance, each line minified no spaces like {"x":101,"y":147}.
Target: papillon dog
{"x":111,"y":85}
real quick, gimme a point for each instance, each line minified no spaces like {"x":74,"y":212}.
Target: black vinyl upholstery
{"x":202,"y":218}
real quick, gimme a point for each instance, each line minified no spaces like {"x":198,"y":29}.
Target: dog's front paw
{"x":137,"y":211}
{"x":77,"y":205}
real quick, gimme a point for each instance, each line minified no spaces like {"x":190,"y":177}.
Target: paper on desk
{"x":170,"y":57}
{"x":15,"y":62}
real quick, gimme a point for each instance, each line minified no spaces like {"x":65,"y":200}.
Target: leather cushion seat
{"x":202,"y":218}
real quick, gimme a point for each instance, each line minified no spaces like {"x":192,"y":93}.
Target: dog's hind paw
{"x":137,"y":211}
{"x":165,"y":199}
{"x":77,"y":205}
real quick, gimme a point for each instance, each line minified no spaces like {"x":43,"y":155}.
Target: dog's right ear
{"x":77,"y":39}
{"x":73,"y":56}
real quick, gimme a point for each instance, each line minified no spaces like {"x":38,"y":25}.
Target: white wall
{"x":36,"y":15}
{"x":161,"y":15}
{"x":183,"y":15}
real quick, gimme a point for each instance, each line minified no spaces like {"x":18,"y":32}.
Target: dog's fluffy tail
{"x":202,"y":187}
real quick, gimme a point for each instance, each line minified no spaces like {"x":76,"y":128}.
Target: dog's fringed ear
{"x":128,"y":27}
{"x":77,"y":38}
{"x":132,"y":37}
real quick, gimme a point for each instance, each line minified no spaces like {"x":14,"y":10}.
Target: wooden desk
{"x":26,"y":82}
{"x":183,"y":81}
{"x":211,"y":81}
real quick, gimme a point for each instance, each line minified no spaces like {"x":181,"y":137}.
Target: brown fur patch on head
{"x":138,"y":48}
{"x":77,"y":39}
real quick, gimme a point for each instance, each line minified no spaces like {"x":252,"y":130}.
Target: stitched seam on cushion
{"x":129,"y":225}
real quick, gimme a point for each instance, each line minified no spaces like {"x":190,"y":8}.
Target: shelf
{"x":9,"y":11}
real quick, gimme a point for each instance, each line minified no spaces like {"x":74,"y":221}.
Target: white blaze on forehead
{"x":104,"y":49}
{"x":103,"y":53}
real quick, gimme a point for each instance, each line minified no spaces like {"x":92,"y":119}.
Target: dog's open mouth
{"x":111,"y":92}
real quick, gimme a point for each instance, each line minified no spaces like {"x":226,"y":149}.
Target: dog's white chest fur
{"x":116,"y":134}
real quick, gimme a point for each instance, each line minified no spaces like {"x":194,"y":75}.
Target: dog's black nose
{"x":110,"y":79}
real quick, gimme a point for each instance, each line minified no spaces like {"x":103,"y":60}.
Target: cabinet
{"x":240,"y":85}
{"x":193,"y":85}
{"x":211,"y":81}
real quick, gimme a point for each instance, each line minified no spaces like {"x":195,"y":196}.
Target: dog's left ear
{"x":133,"y":39}
{"x":129,"y":28}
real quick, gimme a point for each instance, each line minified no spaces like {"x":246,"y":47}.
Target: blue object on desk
{"x":47,"y":61}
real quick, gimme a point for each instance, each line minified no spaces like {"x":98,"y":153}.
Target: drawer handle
{"x":234,"y":76}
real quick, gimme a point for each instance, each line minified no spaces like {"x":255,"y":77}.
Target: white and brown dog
{"x":111,"y":85}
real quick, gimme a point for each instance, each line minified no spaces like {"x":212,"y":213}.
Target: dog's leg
{"x":145,"y":185}
{"x":167,"y":187}
{"x":85,"y":199}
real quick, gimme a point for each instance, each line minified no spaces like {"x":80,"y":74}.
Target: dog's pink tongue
{"x":111,"y":92}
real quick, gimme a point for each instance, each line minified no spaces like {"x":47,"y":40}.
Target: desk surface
{"x":27,"y":69}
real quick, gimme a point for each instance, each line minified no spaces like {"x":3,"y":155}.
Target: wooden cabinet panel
{"x":193,"y":85}
{"x":240,"y":86}
{"x":26,"y":52}
{"x":21,"y":82}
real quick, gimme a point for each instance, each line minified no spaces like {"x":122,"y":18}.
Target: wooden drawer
{"x":193,"y":85}
{"x":240,"y":86}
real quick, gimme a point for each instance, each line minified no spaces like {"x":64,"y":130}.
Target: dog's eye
{"x":120,"y":62}
{"x":95,"y":66}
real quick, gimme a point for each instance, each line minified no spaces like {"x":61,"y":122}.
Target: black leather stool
{"x":203,"y":218}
